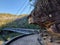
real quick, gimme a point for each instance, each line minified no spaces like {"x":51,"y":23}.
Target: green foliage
{"x":20,"y":22}
{"x":9,"y":36}
{"x":13,"y":21}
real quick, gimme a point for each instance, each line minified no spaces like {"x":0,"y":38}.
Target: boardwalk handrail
{"x":21,"y":30}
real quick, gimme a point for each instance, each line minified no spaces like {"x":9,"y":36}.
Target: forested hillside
{"x":14,"y":21}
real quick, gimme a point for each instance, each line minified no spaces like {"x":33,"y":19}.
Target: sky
{"x":15,"y":6}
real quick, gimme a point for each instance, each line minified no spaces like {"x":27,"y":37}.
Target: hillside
{"x":14,"y":21}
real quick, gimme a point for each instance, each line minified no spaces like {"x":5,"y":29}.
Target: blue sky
{"x":15,"y":6}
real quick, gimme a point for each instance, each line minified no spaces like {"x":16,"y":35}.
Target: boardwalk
{"x":30,"y":40}
{"x":26,"y":40}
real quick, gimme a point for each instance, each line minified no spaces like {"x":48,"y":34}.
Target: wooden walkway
{"x":31,"y":40}
{"x":26,"y":40}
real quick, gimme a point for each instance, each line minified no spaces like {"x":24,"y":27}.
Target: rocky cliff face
{"x":46,"y":13}
{"x":47,"y":6}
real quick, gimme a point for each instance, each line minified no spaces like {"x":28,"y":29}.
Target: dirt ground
{"x":47,"y":41}
{"x":1,"y":42}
